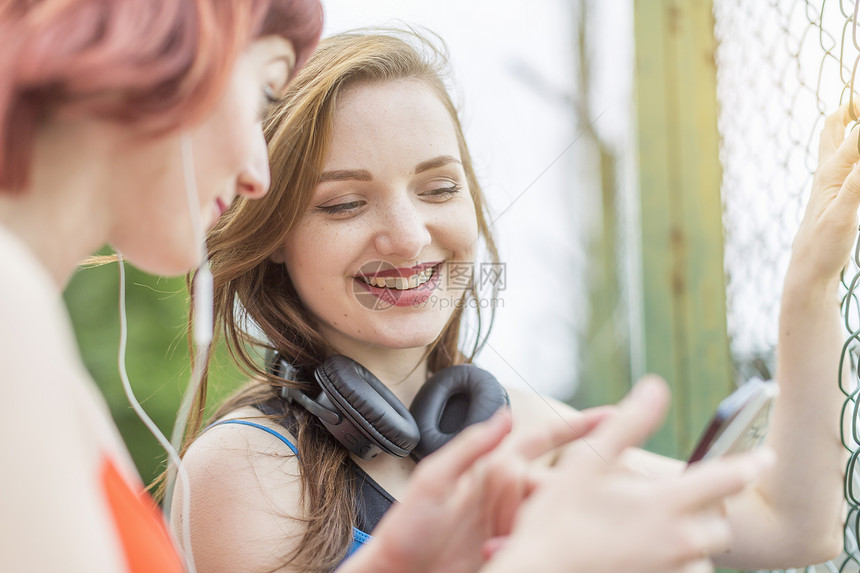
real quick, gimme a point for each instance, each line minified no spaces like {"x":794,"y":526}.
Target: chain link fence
{"x":782,"y":66}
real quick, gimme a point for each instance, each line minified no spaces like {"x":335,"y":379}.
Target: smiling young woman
{"x":373,"y":198}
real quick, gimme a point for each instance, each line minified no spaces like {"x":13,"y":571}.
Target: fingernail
{"x":645,"y":390}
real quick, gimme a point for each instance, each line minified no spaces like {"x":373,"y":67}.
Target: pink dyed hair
{"x":158,"y":64}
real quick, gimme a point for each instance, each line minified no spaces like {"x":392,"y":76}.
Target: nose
{"x":402,"y":231}
{"x":254,"y":179}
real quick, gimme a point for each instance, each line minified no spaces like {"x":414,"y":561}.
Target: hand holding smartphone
{"x":739,"y":423}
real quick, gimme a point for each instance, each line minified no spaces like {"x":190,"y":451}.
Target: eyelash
{"x":443,"y":192}
{"x":270,"y":96}
{"x":340,"y":208}
{"x":270,"y":100}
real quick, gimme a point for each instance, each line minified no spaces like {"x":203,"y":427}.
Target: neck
{"x":62,"y":215}
{"x":403,"y":371}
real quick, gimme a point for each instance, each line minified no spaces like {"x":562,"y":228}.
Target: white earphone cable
{"x":202,"y":328}
{"x":202,"y":298}
{"x":172,"y":453}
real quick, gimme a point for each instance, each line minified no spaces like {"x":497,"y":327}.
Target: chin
{"x":403,"y":337}
{"x":407,"y":343}
{"x":166,"y":263}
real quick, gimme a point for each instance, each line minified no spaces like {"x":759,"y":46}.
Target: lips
{"x":381,"y":269}
{"x":390,"y":286}
{"x":399,"y":282}
{"x":221,"y":206}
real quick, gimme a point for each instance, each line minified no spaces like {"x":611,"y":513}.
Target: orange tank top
{"x":145,"y":541}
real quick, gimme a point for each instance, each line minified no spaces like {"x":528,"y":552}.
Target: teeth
{"x":400,"y":283}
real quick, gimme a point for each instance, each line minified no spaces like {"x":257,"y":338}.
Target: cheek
{"x":212,"y":165}
{"x":462,"y":231}
{"x":306,"y":280}
{"x":229,"y":141}
{"x":224,"y":148}
{"x":316,"y":260}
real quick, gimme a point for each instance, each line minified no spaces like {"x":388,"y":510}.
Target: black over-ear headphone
{"x":366,"y":417}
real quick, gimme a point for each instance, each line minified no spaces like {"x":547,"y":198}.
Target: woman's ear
{"x":277,"y":257}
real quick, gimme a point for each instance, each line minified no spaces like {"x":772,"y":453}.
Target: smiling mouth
{"x":400,"y":283}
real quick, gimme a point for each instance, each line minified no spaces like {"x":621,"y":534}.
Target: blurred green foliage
{"x":157,"y":356}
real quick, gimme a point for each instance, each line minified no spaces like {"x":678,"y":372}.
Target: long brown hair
{"x":254,"y":294}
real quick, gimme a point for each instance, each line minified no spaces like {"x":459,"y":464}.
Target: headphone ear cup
{"x":453,"y":398}
{"x":373,"y":418}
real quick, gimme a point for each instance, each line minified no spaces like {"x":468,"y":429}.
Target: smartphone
{"x":739,"y":423}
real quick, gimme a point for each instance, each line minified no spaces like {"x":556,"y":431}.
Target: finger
{"x":841,"y":161}
{"x":639,"y":414}
{"x":848,"y":199}
{"x":833,"y":133}
{"x":535,"y":442}
{"x":444,"y":466}
{"x":707,"y":483}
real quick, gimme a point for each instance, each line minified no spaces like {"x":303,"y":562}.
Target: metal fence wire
{"x":782,"y":66}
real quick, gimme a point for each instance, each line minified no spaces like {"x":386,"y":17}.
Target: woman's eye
{"x":341,"y":208}
{"x":270,"y":95}
{"x":442,"y":193}
{"x":269,"y":100}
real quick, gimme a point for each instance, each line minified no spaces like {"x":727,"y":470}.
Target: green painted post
{"x":605,"y":366}
{"x":683,"y":334}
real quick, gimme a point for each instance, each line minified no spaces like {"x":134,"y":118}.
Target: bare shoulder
{"x":245,"y":497}
{"x":529,"y":407}
{"x":532,"y":410}
{"x":240,"y":442}
{"x":50,"y":487}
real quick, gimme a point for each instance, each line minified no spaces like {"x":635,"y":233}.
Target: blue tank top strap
{"x":261,"y":427}
{"x":359,"y":537}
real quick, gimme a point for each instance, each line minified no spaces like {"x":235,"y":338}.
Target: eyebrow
{"x":435,"y":162}
{"x":364,"y":175}
{"x":345,"y":175}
